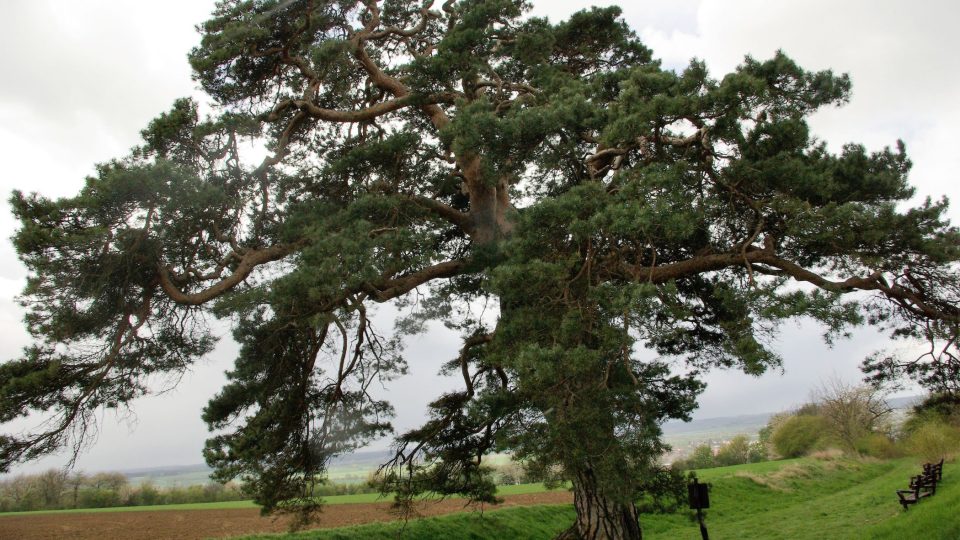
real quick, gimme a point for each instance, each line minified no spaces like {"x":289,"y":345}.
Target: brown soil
{"x":197,"y":524}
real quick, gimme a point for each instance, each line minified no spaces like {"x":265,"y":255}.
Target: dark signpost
{"x":699,"y":499}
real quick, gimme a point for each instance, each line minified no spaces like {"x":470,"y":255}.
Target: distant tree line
{"x":57,"y":489}
{"x":737,"y":451}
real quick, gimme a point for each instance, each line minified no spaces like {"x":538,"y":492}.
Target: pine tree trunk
{"x":600,"y":517}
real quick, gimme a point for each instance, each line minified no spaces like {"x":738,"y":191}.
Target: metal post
{"x":699,"y":499}
{"x":703,"y":526}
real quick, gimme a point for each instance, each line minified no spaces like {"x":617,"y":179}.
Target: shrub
{"x":852,"y":413}
{"x":943,"y":408}
{"x":144,"y":494}
{"x":877,"y":445}
{"x":798,"y":435}
{"x":332,"y":489}
{"x":758,"y":452}
{"x":933,"y":440}
{"x":99,"y":498}
{"x":701,"y":458}
{"x":663,"y":492}
{"x":510,"y":473}
{"x":735,"y":452}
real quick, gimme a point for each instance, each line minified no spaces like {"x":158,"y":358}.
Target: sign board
{"x":699,"y":497}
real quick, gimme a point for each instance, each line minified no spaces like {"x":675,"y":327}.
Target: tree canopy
{"x":440,"y":158}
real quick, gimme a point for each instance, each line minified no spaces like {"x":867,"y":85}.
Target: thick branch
{"x":379,"y":77}
{"x":334,"y":115}
{"x":446,"y":212}
{"x":403,"y":32}
{"x":695,"y":265}
{"x":606,"y":158}
{"x":799,"y":273}
{"x":393,"y":288}
{"x":247,"y":264}
{"x":906,"y":298}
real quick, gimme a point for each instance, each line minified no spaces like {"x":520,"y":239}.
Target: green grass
{"x":838,"y":500}
{"x":543,"y":521}
{"x":795,"y":499}
{"x":764,"y":467}
{"x":935,"y":518}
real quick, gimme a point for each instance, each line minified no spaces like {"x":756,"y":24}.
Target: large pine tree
{"x":599,"y":204}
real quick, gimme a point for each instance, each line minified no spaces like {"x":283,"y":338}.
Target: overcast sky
{"x":81,"y":78}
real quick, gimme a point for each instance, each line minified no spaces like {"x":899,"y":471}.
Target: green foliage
{"x":798,"y":435}
{"x":99,"y":498}
{"x":735,"y":452}
{"x":664,"y":492}
{"x":878,"y":445}
{"x":764,"y":434}
{"x":592,"y":202}
{"x":933,"y":440}
{"x":942,"y":408}
{"x":701,"y":458}
{"x":854,"y":419}
{"x":757,"y":452}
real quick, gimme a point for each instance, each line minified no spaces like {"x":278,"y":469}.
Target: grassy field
{"x":796,"y":499}
{"x":189,"y":506}
{"x":337,"y":499}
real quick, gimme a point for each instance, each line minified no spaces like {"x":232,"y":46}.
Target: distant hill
{"x":904,"y":402}
{"x":350,"y":468}
{"x":363,"y":457}
{"x":169,"y":470}
{"x":746,"y":422}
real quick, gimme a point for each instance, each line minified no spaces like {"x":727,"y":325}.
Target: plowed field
{"x":198,"y":524}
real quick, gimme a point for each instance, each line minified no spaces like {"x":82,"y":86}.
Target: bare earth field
{"x":198,"y":524}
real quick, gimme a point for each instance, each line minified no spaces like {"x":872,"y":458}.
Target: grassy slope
{"x":797,"y":499}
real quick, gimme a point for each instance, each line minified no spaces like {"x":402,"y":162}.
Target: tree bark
{"x":600,"y":517}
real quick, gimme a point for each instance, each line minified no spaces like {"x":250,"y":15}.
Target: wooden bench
{"x":934,"y":469}
{"x":920,"y":487}
{"x":925,"y":482}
